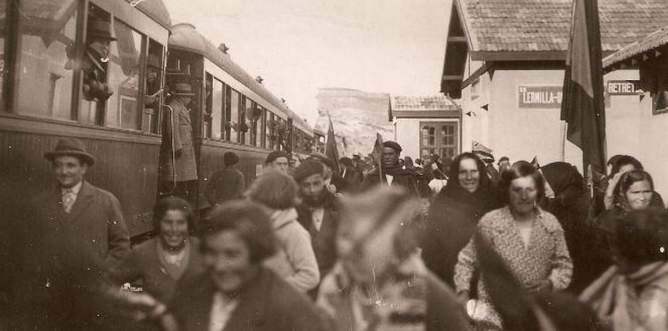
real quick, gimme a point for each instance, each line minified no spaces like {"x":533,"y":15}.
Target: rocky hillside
{"x":356,"y":116}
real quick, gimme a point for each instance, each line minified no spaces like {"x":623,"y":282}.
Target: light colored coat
{"x":295,"y":260}
{"x":178,"y":135}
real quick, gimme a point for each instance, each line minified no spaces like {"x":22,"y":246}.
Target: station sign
{"x":540,"y":96}
{"x":623,"y":87}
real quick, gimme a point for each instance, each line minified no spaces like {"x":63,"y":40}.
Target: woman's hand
{"x":609,"y":198}
{"x":541,"y":286}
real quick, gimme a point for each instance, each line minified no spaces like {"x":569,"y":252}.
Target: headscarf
{"x":483,"y":198}
{"x":562,"y":176}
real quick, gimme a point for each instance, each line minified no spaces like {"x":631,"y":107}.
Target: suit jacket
{"x":224,"y":185}
{"x":353,"y":179}
{"x":323,"y":240}
{"x":266,"y":303}
{"x":405,"y":178}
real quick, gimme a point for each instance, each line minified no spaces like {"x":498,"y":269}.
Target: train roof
{"x":156,"y":10}
{"x":186,"y":37}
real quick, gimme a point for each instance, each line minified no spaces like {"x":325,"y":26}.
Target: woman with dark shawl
{"x":455,"y":213}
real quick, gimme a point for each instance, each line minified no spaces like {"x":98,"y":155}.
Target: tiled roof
{"x":544,"y":25}
{"x":651,"y":42}
{"x":422,"y":103}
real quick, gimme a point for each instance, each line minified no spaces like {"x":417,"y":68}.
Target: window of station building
{"x":438,"y":138}
{"x":124,"y":74}
{"x":153,"y":91}
{"x":45,"y":57}
{"x":217,"y":119}
{"x":232,"y":115}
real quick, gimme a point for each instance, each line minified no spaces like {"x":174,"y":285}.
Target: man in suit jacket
{"x":349,"y":173}
{"x":391,"y":173}
{"x":78,"y":232}
{"x":226,"y":184}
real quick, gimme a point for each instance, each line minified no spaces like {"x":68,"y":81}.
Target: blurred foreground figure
{"x":237,"y":293}
{"x":633,"y":294}
{"x":380,"y":283}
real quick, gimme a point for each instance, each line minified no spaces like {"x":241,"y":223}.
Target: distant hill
{"x":356,"y":116}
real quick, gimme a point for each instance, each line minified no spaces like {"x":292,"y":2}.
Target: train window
{"x":257,"y":125}
{"x":246,"y":118}
{"x":232,"y":115}
{"x":217,"y":110}
{"x":262,"y":136}
{"x":268,"y":127}
{"x":124,"y":71}
{"x":47,"y":29}
{"x":153,"y":87}
{"x":208,"y":110}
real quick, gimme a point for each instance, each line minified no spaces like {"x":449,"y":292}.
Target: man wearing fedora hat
{"x":78,"y":231}
{"x":177,"y":165}
{"x":98,"y":42}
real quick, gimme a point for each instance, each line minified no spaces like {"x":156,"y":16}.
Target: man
{"x":335,"y":183}
{"x":177,"y":154}
{"x":350,"y":175}
{"x":277,"y":160}
{"x":293,"y":163}
{"x":504,"y":164}
{"x":379,"y":281}
{"x":99,"y":37}
{"x":78,"y":231}
{"x":226,"y":184}
{"x":359,"y":164}
{"x":390,"y":172}
{"x":318,"y":213}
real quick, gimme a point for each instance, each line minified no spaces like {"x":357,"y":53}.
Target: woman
{"x":634,"y":190}
{"x":621,"y":165}
{"x":379,"y":281}
{"x":633,"y":294}
{"x":160,"y":262}
{"x":570,"y":203}
{"x":454,"y":215}
{"x":236,"y":292}
{"x":295,"y":260}
{"x":529,"y":240}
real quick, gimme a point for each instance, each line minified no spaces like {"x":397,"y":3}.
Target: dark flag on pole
{"x":583,"y":106}
{"x":330,"y":148}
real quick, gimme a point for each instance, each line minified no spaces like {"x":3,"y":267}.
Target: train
{"x":46,"y":95}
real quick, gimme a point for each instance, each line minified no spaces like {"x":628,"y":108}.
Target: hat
{"x":275,"y":155}
{"x":503,"y":158}
{"x":324,"y":159}
{"x":100,"y":29}
{"x":153,"y":61}
{"x":70,"y":147}
{"x":393,"y":145}
{"x":183,"y":89}
{"x":308,"y":168}
{"x":230,"y":158}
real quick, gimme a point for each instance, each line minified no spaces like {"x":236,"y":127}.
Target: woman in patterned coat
{"x":529,"y":240}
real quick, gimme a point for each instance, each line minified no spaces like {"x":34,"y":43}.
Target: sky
{"x":298,"y":46}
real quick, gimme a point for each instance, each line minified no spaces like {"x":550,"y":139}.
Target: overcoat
{"x":405,"y":178}
{"x":177,"y":136}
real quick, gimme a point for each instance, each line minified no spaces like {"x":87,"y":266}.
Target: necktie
{"x":68,"y":200}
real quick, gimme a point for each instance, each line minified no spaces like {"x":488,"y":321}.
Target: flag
{"x":583,"y":106}
{"x":377,"y":153}
{"x":330,"y":148}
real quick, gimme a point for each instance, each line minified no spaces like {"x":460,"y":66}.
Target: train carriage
{"x":232,"y":111}
{"x":45,"y":95}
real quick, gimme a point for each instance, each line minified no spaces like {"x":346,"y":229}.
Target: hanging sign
{"x":623,"y":87}
{"x":539,"y":96}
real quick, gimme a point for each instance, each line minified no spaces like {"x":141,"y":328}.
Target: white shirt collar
{"x":75,"y":189}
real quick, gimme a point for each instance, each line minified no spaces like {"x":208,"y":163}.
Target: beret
{"x":275,"y":155}
{"x":325,"y":160}
{"x":393,"y":145}
{"x":308,"y":168}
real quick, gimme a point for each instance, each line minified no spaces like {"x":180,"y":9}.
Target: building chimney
{"x":223,"y":48}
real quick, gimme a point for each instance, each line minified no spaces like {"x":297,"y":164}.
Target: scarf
{"x":174,"y":269}
{"x":393,"y":170}
{"x":615,"y":297}
{"x":399,"y":304}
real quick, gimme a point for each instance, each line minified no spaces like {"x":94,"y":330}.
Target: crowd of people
{"x":322,"y":244}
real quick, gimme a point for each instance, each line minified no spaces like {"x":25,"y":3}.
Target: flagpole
{"x":564,"y":129}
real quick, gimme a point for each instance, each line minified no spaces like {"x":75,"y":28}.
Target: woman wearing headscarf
{"x":633,"y":294}
{"x":454,"y":214}
{"x":570,"y":203}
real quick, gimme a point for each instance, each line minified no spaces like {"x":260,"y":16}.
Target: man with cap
{"x":177,"y":154}
{"x":78,"y":231}
{"x":335,"y":183}
{"x":390,"y":172}
{"x":98,"y":42}
{"x":277,"y":160}
{"x":379,"y":281}
{"x":318,"y":213}
{"x":226,"y":184}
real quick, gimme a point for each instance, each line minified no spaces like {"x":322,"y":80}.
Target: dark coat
{"x":177,"y":137}
{"x":353,"y":180}
{"x":64,"y":265}
{"x":266,"y":303}
{"x":323,"y":241}
{"x":452,"y":220}
{"x":144,"y":263}
{"x":402,"y":177}
{"x":224,"y":185}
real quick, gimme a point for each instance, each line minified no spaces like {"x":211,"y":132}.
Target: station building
{"x":505,"y":61}
{"x":649,"y":130}
{"x":426,"y":125}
